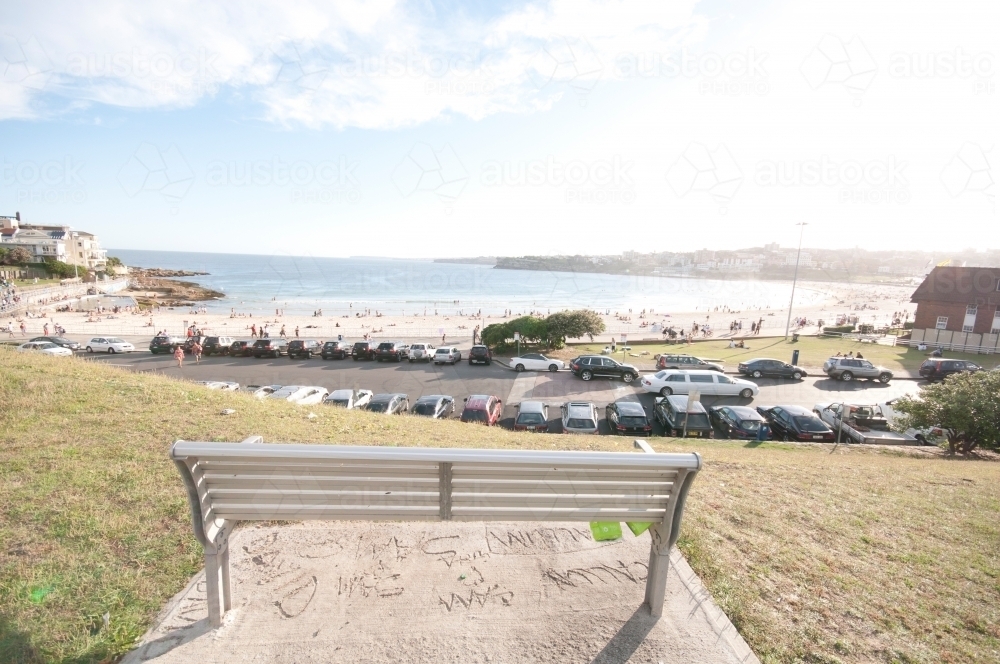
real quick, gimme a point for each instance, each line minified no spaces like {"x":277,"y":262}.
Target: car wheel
{"x":553,"y":368}
{"x":847,"y":376}
{"x":757,"y":374}
{"x":884,"y":378}
{"x":746,"y":393}
{"x":89,"y":349}
{"x":797,"y":375}
{"x":111,"y":351}
{"x":411,"y":360}
{"x":785,"y":438}
{"x":666,"y":392}
{"x":489,"y":362}
{"x":518,"y":368}
{"x":586,"y":375}
{"x":628,"y":378}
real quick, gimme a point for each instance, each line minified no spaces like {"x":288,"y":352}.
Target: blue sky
{"x":455,"y":129}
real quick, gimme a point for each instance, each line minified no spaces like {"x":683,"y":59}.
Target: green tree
{"x":966,"y":406}
{"x":496,"y":334}
{"x":114,"y":261}
{"x":564,"y":325}
{"x":18,"y":256}
{"x":530,"y":328}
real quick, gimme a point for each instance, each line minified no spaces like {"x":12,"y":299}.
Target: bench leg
{"x":659,"y":564}
{"x":227,"y":602}
{"x":217,"y":585}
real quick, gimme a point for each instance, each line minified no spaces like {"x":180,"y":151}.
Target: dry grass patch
{"x":854,"y":556}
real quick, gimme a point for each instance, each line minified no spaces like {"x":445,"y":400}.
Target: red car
{"x":482,"y":409}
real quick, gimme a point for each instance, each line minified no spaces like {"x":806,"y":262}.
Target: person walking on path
{"x":253,"y":331}
{"x":179,"y":356}
{"x":282,"y":333}
{"x":24,"y":330}
{"x":45,"y":330}
{"x":196,"y":351}
{"x":296,"y":331}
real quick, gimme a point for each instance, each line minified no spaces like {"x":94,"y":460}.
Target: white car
{"x":678,"y":381}
{"x":223,"y":385}
{"x":928,"y":436}
{"x":349,"y":398}
{"x":447,"y":354}
{"x":579,"y":417}
{"x":261,"y":391}
{"x":109,"y":345}
{"x":536,"y":362}
{"x":46,"y":348}
{"x":421,"y":353}
{"x":302,"y":395}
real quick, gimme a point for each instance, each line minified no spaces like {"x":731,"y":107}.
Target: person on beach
{"x":296,"y":331}
{"x":253,"y":331}
{"x":196,"y":351}
{"x":45,"y":329}
{"x":179,"y":356}
{"x":24,"y":330}
{"x":282,"y":333}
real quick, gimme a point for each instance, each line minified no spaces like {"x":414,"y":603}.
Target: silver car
{"x":850,"y":368}
{"x":579,"y":417}
{"x":447,"y":355}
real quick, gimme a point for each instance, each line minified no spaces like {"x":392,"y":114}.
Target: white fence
{"x":960,"y":342}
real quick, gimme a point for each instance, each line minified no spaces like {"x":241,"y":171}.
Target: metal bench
{"x":253,"y":481}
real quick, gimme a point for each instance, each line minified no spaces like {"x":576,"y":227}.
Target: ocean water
{"x":301,"y":285}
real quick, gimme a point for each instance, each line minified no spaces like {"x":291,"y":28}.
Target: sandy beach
{"x":876,"y":304}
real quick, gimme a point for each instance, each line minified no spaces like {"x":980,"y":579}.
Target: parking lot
{"x":461,"y":380}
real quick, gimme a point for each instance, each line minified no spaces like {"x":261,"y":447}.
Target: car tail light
{"x":647,"y":428}
{"x":620,"y":427}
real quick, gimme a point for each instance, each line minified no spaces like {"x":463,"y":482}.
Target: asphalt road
{"x":461,"y":380}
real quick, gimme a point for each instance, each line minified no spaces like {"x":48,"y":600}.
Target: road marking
{"x":522,"y":388}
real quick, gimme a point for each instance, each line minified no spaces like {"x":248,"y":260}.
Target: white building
{"x":60,"y":243}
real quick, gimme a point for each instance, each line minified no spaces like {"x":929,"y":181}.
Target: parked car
{"x":335,"y":350}
{"x":269,"y":347}
{"x":672,"y":413}
{"x":392,"y":350}
{"x":480,"y":354}
{"x":536,"y":362}
{"x":849,"y":368}
{"x":349,"y":399}
{"x":109,"y":345}
{"x":447,"y":355}
{"x":435,"y":406}
{"x":670,"y":381}
{"x":216,"y":345}
{"x":363,"y":350}
{"x":304,"y":348}
{"x":241,"y":349}
{"x":482,"y":409}
{"x":579,"y":417}
{"x":420,"y":353}
{"x":189,"y":342}
{"x":59,"y":341}
{"x":302,"y":395}
{"x":221,"y":385}
{"x":926,"y":436}
{"x":739,"y":422}
{"x":261,"y":391}
{"x":388,"y":404}
{"x":532,"y":416}
{"x":597,"y":366}
{"x":686,"y":362}
{"x":796,"y":423}
{"x":628,"y":418}
{"x":45,"y":348}
{"x":164,"y":344}
{"x":939,"y":368}
{"x":762,"y":366}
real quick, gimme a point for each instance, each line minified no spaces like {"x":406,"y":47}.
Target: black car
{"x":269,"y":347}
{"x":672,"y":413}
{"x":796,"y":423}
{"x":189,"y":343}
{"x":304,"y":348}
{"x":436,"y":406}
{"x":739,"y":422}
{"x":335,"y":350}
{"x":241,"y":349}
{"x":480,"y":354}
{"x":392,"y":350}
{"x":939,"y":368}
{"x":628,"y":417}
{"x":388,"y":404}
{"x":763,"y":366}
{"x":164,"y":344}
{"x":599,"y":366}
{"x":363,"y":350}
{"x":216,"y":346}
{"x":59,"y":341}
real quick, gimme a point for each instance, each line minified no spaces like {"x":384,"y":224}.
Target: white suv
{"x":422,"y":352}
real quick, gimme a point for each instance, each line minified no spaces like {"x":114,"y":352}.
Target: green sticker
{"x":638,"y":528}
{"x":38,"y":594}
{"x":605,"y":530}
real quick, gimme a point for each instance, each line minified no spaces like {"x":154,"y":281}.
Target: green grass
{"x":813,"y":351}
{"x":28,"y":284}
{"x":817,"y":555}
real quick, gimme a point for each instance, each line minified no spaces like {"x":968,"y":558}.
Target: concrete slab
{"x":464,"y":592}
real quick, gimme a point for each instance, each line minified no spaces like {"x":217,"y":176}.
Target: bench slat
{"x":294,"y":482}
{"x":265,"y":500}
{"x":513,"y":514}
{"x":538,"y":503}
{"x":308,"y":512}
{"x":560,"y":487}
{"x":368,"y":471}
{"x":564,"y":475}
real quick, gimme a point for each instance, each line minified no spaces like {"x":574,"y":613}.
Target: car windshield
{"x":580,"y":423}
{"x":378,"y":406}
{"x":634,"y":421}
{"x":425,"y":408}
{"x":530,"y":418}
{"x":442,"y":351}
{"x":749,"y":425}
{"x":474,"y":415}
{"x":805,"y":423}
{"x":115,"y":340}
{"x":696,"y":421}
{"x":339,"y":402}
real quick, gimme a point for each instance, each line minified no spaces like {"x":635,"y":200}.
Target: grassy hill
{"x":817,"y":554}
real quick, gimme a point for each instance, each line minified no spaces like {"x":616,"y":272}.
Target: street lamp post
{"x":788,"y":323}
